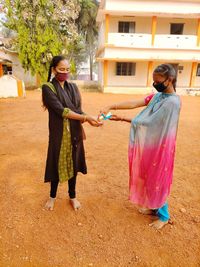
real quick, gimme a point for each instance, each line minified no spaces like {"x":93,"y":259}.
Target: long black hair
{"x":54,"y":63}
{"x":167,"y":71}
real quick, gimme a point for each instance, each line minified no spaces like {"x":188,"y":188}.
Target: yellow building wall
{"x":142,"y":24}
{"x":163,"y":25}
{"x":139,"y":79}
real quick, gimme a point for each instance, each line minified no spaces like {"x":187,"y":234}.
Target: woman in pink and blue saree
{"x":152,"y":145}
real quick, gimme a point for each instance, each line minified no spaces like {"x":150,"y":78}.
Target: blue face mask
{"x":160,"y":87}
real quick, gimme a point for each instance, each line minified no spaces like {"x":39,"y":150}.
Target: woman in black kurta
{"x":66,"y":156}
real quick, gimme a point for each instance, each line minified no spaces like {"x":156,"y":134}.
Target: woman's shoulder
{"x":174,"y":101}
{"x":174,"y":98}
{"x":48,"y":86}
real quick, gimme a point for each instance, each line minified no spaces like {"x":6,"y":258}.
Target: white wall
{"x":163,"y":7}
{"x":142,"y":24}
{"x":130,"y":40}
{"x":140,"y":78}
{"x":142,"y":36}
{"x":197,"y":81}
{"x":18,"y":71}
{"x":183,"y":77}
{"x":152,"y":54}
{"x":101,"y":35}
{"x":8,"y":86}
{"x":163,"y":25}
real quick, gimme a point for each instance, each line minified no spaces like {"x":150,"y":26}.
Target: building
{"x":136,"y":36}
{"x":10,"y":64}
{"x":84,"y":72}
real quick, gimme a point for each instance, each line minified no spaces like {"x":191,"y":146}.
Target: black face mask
{"x":160,"y":87}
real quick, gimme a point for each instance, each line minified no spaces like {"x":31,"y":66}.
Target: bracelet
{"x":85,"y":118}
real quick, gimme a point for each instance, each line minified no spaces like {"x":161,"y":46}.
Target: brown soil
{"x":108,"y":231}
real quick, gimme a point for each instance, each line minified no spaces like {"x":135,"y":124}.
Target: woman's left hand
{"x":104,"y":110}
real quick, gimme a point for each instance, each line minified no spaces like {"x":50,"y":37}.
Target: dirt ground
{"x":108,"y":230}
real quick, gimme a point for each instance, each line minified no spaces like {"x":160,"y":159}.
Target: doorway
{"x":176,"y":67}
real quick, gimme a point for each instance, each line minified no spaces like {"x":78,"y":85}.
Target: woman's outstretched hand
{"x":104,"y":110}
{"x":93,"y":121}
{"x":116,"y":118}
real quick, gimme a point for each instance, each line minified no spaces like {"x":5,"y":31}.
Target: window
{"x":176,"y":28}
{"x":198,"y":70}
{"x":125,"y":69}
{"x":126,"y":27}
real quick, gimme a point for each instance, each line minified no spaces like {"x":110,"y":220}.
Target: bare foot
{"x":50,"y":203}
{"x":146,"y":211}
{"x":75,"y":203}
{"x":158,"y":224}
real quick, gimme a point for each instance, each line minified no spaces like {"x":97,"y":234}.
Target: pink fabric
{"x":151,"y":171}
{"x":151,"y":150}
{"x":148,"y":99}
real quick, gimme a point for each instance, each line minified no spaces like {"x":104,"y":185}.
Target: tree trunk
{"x":91,"y":66}
{"x":91,"y":57}
{"x":38,"y":80}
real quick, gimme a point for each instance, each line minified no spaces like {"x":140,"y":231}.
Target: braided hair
{"x":167,"y":71}
{"x":54,"y":63}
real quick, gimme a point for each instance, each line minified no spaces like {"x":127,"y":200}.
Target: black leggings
{"x":71,"y":188}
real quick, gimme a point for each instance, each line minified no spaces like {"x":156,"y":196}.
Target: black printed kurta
{"x":59,"y":102}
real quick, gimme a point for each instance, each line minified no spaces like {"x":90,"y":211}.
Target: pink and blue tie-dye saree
{"x":152,"y":150}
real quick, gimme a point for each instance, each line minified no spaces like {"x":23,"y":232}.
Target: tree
{"x":44,"y":28}
{"x":77,"y":55}
{"x":88,"y":29}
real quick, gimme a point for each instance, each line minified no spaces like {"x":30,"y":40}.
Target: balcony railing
{"x":129,"y":39}
{"x":144,"y":40}
{"x":175,"y":41}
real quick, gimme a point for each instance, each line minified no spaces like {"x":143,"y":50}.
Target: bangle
{"x":85,"y":118}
